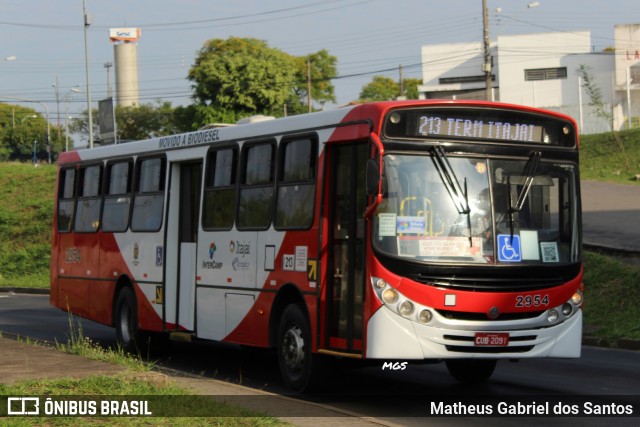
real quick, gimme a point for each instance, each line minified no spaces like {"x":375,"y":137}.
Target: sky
{"x":44,"y":39}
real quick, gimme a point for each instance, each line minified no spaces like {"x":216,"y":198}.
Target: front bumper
{"x":390,"y":336}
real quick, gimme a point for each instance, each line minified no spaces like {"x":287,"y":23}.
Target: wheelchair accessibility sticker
{"x":509,"y":248}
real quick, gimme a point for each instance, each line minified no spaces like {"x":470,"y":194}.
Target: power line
{"x":187,"y":25}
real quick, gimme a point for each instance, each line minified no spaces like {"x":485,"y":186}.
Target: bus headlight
{"x":576,"y":299}
{"x":425,"y":316}
{"x":380,"y":284}
{"x":399,"y":303}
{"x":406,"y":308}
{"x":390,"y":296}
{"x":552,"y":315}
{"x":567,"y":309}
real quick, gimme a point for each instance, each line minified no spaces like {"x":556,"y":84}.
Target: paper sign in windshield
{"x":439,"y":246}
{"x":387,"y":225}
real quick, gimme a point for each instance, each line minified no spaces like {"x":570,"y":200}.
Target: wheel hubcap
{"x":293,"y":348}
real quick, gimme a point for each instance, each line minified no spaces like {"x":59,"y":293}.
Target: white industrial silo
{"x":126,"y":64}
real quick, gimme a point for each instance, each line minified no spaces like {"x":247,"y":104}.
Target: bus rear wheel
{"x":294,"y":348}
{"x":470,"y":371}
{"x":126,"y":320}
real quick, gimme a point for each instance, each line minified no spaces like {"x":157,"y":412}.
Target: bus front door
{"x":345,"y":281}
{"x":181,"y":245}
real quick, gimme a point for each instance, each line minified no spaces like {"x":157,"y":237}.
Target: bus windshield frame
{"x":451,"y":198}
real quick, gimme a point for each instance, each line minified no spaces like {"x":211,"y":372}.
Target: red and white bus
{"x":397,"y":231}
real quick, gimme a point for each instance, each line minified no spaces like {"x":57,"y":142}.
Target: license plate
{"x":491,"y":339}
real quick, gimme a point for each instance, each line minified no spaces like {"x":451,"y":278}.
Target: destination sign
{"x":480,"y":124}
{"x":429,"y":125}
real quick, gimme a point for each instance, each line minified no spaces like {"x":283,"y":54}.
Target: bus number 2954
{"x":523,"y":301}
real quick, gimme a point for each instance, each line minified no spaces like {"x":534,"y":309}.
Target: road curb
{"x":621,"y":344}
{"x":610,"y":249}
{"x":33,"y":291}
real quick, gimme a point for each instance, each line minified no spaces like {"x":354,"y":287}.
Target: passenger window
{"x":220,"y":190}
{"x":66,"y":201}
{"x":117,"y":201}
{"x":256,"y":187}
{"x":148,"y":200}
{"x":296,"y":184}
{"x":89,"y":201}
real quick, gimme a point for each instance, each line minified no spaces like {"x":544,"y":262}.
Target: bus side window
{"x":296,"y":184}
{"x":117,"y":200}
{"x":256,"y":187}
{"x":220,"y":189}
{"x":89,"y":200}
{"x":66,"y":201}
{"x":148,"y":199}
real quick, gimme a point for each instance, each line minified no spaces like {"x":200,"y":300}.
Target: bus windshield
{"x":498,"y":210}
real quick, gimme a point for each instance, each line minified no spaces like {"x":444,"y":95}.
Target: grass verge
{"x":612,"y":298}
{"x":83,"y":346}
{"x":136,"y":383}
{"x":26,"y":214}
{"x":611,"y":158}
{"x":131,"y":386}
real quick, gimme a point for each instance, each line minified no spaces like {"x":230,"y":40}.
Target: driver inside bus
{"x":481,"y":218}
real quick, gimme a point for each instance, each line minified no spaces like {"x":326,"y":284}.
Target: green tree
{"x":380,"y":89}
{"x":241,"y":77}
{"x":20,"y":127}
{"x":601,"y":109}
{"x":386,"y":89}
{"x":145,"y":121}
{"x":318,"y":69}
{"x":411,"y":88}
{"x":140,"y":121}
{"x":595,"y":95}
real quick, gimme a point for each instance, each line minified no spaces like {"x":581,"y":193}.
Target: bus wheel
{"x":294,"y":348}
{"x":126,"y":320}
{"x":471,"y":370}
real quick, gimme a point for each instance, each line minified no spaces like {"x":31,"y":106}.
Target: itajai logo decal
{"x":239,"y":248}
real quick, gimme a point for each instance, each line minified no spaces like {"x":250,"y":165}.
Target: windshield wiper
{"x":458,"y":195}
{"x":531,"y":167}
{"x":450,"y":181}
{"x":533,"y":162}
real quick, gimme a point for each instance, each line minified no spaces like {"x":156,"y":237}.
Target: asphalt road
{"x":610,"y":219}
{"x":611,"y":215}
{"x":399,"y":397}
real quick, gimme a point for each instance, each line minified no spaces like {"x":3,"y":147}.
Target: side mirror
{"x":373,"y":178}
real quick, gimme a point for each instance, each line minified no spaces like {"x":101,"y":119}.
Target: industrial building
{"x":542,"y":70}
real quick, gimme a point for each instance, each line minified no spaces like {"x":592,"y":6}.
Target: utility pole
{"x":309,"y":84}
{"x":87,"y":22}
{"x":57,"y":86}
{"x":486,"y":66}
{"x":401,"y":82}
{"x":108,"y":65}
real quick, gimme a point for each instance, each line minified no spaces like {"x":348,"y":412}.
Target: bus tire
{"x":126,"y":320}
{"x":294,"y":348}
{"x":471,"y":371}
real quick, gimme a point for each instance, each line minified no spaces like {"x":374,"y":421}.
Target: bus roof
{"x":370,"y":112}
